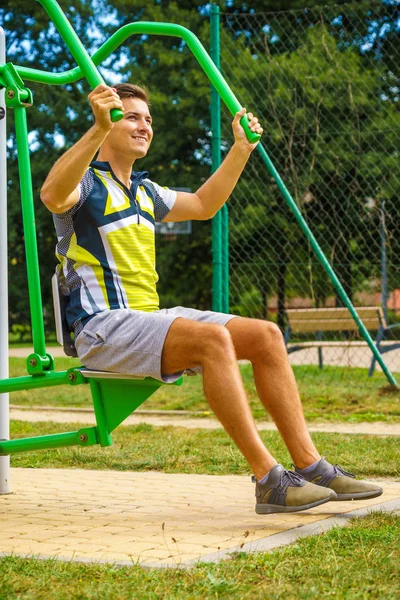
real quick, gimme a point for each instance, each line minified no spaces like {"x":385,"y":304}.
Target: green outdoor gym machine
{"x":113,"y":398}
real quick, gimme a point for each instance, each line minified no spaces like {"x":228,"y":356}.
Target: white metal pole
{"x":5,"y":484}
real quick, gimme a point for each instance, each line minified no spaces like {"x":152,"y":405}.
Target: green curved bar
{"x":168,"y":29}
{"x":77,"y":49}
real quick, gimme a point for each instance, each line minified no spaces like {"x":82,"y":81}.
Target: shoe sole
{"x":266,"y":509}
{"x":359,"y":496}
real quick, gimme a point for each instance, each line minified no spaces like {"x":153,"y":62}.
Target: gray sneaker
{"x":286,"y":491}
{"x":334,"y":477}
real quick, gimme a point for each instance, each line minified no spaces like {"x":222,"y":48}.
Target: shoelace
{"x":294,"y":478}
{"x":330,"y":475}
{"x":287,"y":478}
{"x":326,"y":479}
{"x":340,"y":469}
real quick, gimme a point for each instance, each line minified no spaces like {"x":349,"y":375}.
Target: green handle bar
{"x":87,"y":65}
{"x":77,"y":50}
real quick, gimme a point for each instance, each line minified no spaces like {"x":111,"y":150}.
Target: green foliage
{"x":331,"y":131}
{"x":20,"y":333}
{"x":61,"y":115}
{"x":332,"y":121}
{"x":39,"y":46}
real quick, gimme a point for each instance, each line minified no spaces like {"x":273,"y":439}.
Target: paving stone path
{"x":153,"y":519}
{"x":157,"y":519}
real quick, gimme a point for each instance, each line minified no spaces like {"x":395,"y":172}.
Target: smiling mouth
{"x":140,"y":139}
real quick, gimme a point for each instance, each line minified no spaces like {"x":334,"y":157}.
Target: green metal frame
{"x":113,"y":399}
{"x":217,"y":227}
{"x":220,"y":223}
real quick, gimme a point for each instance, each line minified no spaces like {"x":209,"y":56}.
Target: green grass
{"x":179,"y":450}
{"x":359,"y":562}
{"x":54,"y":396}
{"x":332,"y":394}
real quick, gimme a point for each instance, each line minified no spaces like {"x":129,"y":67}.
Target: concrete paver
{"x":150,"y":518}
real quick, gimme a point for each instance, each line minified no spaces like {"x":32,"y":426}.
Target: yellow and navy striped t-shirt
{"x":106,"y":244}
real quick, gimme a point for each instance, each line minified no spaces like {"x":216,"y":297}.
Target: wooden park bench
{"x":319,"y":320}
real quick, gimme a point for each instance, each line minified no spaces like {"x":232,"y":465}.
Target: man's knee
{"x":217,"y":340}
{"x":270,"y":339}
{"x":263,"y":340}
{"x":215,"y":344}
{"x":272,"y":332}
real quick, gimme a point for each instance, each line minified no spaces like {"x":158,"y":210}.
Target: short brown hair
{"x":129,"y":90}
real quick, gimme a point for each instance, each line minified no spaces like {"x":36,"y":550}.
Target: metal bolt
{"x":2,"y":113}
{"x":33,"y":362}
{"x":83,"y":437}
{"x":10,"y":94}
{"x":72,"y":377}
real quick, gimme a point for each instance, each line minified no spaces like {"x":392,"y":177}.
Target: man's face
{"x":133,"y":134}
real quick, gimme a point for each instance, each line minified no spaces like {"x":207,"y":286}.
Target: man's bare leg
{"x":262,"y":343}
{"x":189,"y":344}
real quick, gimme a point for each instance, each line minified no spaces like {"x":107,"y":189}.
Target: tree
{"x":49,"y":119}
{"x":323,"y":107}
{"x":60,"y":115}
{"x":305,"y":70}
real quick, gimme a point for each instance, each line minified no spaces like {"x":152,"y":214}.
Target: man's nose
{"x":145,"y":125}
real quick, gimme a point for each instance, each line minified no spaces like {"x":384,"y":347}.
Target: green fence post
{"x":225,"y":259}
{"x":217,"y":241}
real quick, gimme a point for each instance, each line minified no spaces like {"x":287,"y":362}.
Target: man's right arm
{"x":60,"y":189}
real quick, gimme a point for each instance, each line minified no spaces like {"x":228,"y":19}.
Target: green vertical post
{"x":225,"y":259}
{"x":28,"y":216}
{"x":103,"y":433}
{"x":217,"y":251}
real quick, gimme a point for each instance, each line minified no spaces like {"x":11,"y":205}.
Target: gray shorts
{"x":131,"y":341}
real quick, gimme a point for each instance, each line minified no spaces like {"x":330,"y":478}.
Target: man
{"x":104,"y":215}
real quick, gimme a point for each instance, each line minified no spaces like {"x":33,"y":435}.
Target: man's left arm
{"x":213,"y":194}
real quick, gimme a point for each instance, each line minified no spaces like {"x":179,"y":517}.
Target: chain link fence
{"x":324,"y":84}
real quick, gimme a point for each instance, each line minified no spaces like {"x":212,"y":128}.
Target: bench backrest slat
{"x":334,"y":319}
